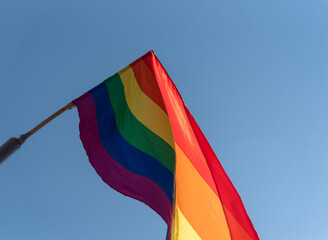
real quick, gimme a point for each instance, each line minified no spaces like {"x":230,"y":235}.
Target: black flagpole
{"x":13,"y":144}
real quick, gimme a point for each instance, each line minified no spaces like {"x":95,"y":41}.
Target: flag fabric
{"x":143,"y":142}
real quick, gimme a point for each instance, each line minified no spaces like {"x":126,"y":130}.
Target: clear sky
{"x":253,"y":74}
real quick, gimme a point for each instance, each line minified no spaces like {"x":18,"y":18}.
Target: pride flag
{"x":143,"y":142}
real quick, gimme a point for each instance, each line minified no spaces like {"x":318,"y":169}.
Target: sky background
{"x":253,"y":74}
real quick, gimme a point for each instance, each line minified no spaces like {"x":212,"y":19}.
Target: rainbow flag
{"x":143,"y":142}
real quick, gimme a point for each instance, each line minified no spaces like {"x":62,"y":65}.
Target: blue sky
{"x":253,"y":74}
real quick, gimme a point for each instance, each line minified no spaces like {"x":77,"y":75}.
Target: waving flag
{"x":143,"y":142}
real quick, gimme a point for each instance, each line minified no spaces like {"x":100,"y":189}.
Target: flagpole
{"x":13,"y":144}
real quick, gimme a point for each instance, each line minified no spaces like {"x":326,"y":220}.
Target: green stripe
{"x":133,"y":130}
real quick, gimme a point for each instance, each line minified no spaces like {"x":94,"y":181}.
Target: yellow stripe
{"x":144,"y":109}
{"x":185,"y":230}
{"x":199,"y":204}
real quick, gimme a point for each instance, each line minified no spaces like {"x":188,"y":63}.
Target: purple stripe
{"x":116,"y":176}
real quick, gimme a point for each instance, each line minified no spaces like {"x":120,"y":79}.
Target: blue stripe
{"x":124,"y":153}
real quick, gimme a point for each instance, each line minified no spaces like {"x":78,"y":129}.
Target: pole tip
{"x":10,"y":147}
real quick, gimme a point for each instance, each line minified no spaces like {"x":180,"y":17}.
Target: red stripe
{"x":147,"y":81}
{"x":227,"y":192}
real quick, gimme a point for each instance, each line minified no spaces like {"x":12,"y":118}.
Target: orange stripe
{"x":198,"y":203}
{"x":185,"y":230}
{"x":147,"y":82}
{"x":236,"y":230}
